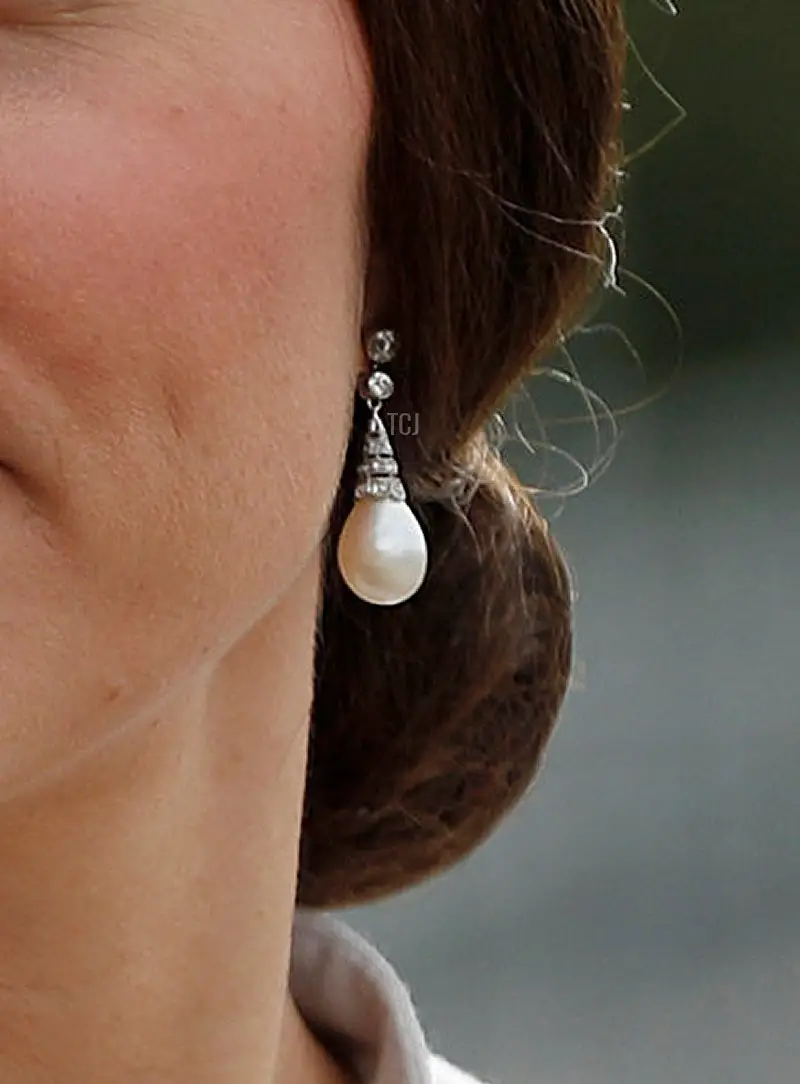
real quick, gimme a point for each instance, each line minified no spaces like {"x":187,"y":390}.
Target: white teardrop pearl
{"x":382,"y":552}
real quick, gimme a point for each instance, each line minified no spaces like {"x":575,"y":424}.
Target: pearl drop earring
{"x":382,"y":552}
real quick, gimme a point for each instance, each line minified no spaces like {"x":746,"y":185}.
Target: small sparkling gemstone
{"x":379,"y":385}
{"x":377,"y":446}
{"x":382,"y":346}
{"x":384,"y":489}
{"x":384,"y":465}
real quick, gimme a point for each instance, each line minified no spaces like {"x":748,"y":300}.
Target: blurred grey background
{"x":637,"y":920}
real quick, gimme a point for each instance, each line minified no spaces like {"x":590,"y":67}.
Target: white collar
{"x":352,"y":996}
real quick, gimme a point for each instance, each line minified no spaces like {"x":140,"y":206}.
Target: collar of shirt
{"x":359,"y":1006}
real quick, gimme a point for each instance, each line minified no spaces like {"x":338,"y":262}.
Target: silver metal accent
{"x":382,"y":346}
{"x":377,"y":446}
{"x":379,"y":473}
{"x":379,"y":466}
{"x":382,"y":489}
{"x":379,"y":385}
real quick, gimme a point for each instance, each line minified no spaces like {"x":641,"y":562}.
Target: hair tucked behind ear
{"x":494,"y":152}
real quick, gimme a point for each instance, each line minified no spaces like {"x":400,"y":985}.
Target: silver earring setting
{"x":382,"y":552}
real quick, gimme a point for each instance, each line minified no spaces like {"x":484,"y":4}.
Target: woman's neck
{"x":146,"y":900}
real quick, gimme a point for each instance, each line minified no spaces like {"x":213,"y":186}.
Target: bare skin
{"x":181,"y":298}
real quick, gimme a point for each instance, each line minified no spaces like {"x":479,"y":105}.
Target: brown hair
{"x":494,"y":152}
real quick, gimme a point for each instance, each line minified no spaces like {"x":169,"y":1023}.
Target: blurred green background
{"x":637,"y":920}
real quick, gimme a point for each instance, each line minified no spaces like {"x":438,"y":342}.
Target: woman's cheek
{"x":180,"y":290}
{"x":174,"y":227}
{"x":184,"y":269}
